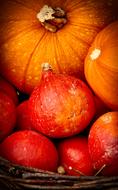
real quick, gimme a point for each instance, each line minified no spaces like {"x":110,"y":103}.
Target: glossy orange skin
{"x":61,"y":105}
{"x":103,"y":143}
{"x":74,"y":156}
{"x":25,"y":44}
{"x":7,"y":115}
{"x":31,"y":149}
{"x":102,"y":72}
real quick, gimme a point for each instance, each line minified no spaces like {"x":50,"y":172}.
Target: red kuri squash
{"x":61,"y":105}
{"x":58,"y":32}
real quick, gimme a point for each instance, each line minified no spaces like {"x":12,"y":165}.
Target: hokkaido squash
{"x":58,"y":32}
{"x":101,"y":65}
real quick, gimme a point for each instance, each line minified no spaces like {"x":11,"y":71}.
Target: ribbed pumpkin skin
{"x":102,"y":72}
{"x":25,"y":44}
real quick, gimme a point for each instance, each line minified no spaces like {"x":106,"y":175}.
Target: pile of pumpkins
{"x":64,"y":57}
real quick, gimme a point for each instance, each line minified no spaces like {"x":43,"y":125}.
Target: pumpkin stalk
{"x":46,"y":67}
{"x":52,"y":19}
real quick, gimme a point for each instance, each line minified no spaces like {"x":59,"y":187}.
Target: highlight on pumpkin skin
{"x":95,"y":54}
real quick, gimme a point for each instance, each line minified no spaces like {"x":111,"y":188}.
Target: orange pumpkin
{"x":58,"y":32}
{"x":101,"y":65}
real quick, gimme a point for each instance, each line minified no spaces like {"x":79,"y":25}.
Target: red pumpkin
{"x":61,"y":105}
{"x":103,"y":144}
{"x":23,"y":118}
{"x":7,"y":115}
{"x":6,"y":87}
{"x":29,"y":37}
{"x":31,"y":149}
{"x":74,"y":156}
{"x":101,"y":65}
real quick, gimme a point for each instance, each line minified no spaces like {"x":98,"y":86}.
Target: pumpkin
{"x":103,"y":144}
{"x":7,"y":88}
{"x":101,"y":65}
{"x":60,"y":105}
{"x":57,"y":32}
{"x":31,"y":149}
{"x":22,"y":115}
{"x":74,"y":156}
{"x":7,"y":115}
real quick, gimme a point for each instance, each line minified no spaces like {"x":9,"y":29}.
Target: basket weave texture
{"x":14,"y":177}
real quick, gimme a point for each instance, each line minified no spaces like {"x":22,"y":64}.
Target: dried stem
{"x":52,"y":19}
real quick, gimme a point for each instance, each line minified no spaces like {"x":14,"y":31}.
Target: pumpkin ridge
{"x":64,"y":51}
{"x":20,"y":3}
{"x":100,"y":76}
{"x":74,"y":50}
{"x":89,"y":26}
{"x":56,"y":50}
{"x":107,"y":67}
{"x":75,"y":5}
{"x":80,"y":39}
{"x":61,"y":50}
{"x":25,"y":30}
{"x":30,"y":57}
{"x":82,"y":25}
{"x":104,"y":65}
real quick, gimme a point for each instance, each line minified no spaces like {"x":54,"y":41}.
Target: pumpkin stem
{"x":52,"y":19}
{"x":46,"y":66}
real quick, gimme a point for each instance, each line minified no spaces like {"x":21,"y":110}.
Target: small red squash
{"x":74,"y":156}
{"x":101,"y":65}
{"x":7,"y":88}
{"x":7,"y":115}
{"x":103,"y":144}
{"x":23,"y":118}
{"x":58,"y":32}
{"x":31,"y":149}
{"x":61,"y":105}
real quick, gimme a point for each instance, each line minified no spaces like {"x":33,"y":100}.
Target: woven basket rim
{"x":15,"y":177}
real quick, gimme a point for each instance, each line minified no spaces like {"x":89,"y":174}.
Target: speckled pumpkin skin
{"x":61,"y":105}
{"x":101,"y":71}
{"x":103,"y":144}
{"x":25,"y":44}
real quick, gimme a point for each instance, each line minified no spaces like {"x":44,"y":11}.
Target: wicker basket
{"x":14,"y":177}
